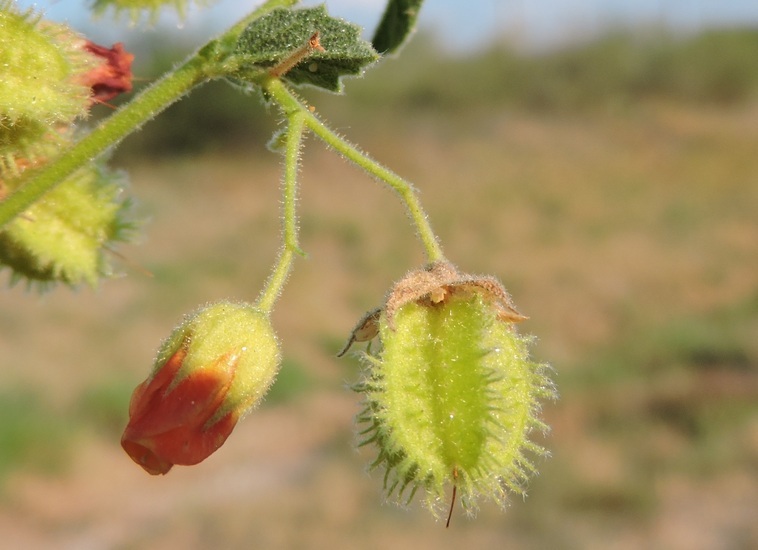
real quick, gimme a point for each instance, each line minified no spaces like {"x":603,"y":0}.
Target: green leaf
{"x":275,"y":37}
{"x":397,"y":24}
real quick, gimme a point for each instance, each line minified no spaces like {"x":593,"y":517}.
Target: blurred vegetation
{"x":693,"y":378}
{"x":715,"y":66}
{"x":32,"y":435}
{"x":630,"y":240}
{"x":611,"y":72}
{"x":677,"y":399}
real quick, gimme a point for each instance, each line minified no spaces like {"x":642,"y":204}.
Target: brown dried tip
{"x":439,"y":280}
{"x":289,"y":62}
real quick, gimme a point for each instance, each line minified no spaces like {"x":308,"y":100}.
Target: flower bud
{"x":216,"y":366}
{"x":452,"y":396}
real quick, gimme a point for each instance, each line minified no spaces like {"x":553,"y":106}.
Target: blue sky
{"x":465,"y":23}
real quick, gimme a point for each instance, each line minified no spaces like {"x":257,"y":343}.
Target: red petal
{"x":113,"y":76}
{"x":185,"y":446}
{"x":169,"y":419}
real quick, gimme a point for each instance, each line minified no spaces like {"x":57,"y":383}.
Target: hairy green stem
{"x":290,"y":247}
{"x":290,"y":104}
{"x":207,"y":63}
{"x":35,"y":183}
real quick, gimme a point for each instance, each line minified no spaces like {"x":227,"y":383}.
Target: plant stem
{"x":204,"y":65}
{"x":290,"y":104}
{"x":35,"y":183}
{"x":290,"y":246}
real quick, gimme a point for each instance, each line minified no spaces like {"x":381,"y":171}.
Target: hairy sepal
{"x":135,"y":9}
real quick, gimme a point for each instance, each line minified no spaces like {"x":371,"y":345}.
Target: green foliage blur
{"x":610,"y":72}
{"x":620,"y":67}
{"x":610,"y":184}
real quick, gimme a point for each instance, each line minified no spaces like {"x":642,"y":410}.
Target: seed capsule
{"x":452,"y":396}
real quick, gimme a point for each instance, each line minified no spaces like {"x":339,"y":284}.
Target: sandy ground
{"x":598,"y":227}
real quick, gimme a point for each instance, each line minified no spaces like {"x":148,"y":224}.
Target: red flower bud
{"x":214,"y":368}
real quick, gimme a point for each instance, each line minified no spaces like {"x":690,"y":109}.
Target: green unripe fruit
{"x":452,"y":397}
{"x":65,"y":236}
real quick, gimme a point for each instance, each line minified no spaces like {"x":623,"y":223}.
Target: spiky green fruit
{"x":452,"y":397}
{"x":66,"y":235}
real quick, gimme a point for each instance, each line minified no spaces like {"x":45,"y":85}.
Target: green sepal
{"x":271,"y":38}
{"x":396,"y":26}
{"x":227,"y":329}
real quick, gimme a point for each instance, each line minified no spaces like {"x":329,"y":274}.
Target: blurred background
{"x":601,"y":158}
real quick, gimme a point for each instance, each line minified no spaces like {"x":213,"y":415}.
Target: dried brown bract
{"x":433,"y":285}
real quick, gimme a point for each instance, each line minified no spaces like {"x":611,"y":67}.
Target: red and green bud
{"x":215,"y":367}
{"x":452,"y":396}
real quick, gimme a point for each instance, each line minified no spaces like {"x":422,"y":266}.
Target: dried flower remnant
{"x":111,"y":77}
{"x":432,"y":285}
